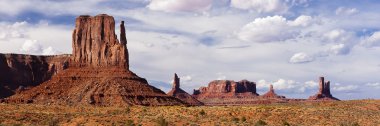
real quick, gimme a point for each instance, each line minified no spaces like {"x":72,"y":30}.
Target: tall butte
{"x":98,"y":72}
{"x":324,"y":91}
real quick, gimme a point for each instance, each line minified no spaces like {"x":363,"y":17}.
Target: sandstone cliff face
{"x":19,"y":71}
{"x":271,"y":93}
{"x":324,"y":91}
{"x":98,"y":72}
{"x":95,"y":43}
{"x":227,"y":89}
{"x":181,"y":94}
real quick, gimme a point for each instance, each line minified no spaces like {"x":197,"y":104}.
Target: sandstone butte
{"x":181,"y":94}
{"x":97,"y":72}
{"x":228,"y":92}
{"x":324,"y":91}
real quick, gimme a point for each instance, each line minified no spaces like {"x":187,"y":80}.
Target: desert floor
{"x":341,"y":113}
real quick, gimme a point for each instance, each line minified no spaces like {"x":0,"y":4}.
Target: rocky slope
{"x":97,"y":73}
{"x":181,"y":94}
{"x":18,"y":72}
{"x":324,"y":91}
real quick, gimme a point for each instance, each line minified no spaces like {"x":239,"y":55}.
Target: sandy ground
{"x":344,"y":113}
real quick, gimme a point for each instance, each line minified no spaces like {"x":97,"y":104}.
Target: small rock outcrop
{"x":181,"y":94}
{"x":324,"y":91}
{"x":271,"y":93}
{"x":97,"y":73}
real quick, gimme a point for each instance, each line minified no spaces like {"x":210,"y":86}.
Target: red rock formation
{"x":324,"y":91}
{"x":271,"y":93}
{"x":225,"y":90}
{"x":24,"y":71}
{"x":181,"y":94}
{"x":95,"y":43}
{"x":98,"y":72}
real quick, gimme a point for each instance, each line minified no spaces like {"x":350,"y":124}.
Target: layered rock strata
{"x":181,"y":94}
{"x":324,"y":91}
{"x":227,"y":89}
{"x":98,"y":72}
{"x":19,"y":72}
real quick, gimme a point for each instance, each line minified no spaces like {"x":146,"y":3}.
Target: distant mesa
{"x":324,"y":91}
{"x":97,"y":73}
{"x":19,"y":71}
{"x":226,"y":92}
{"x":181,"y":94}
{"x":271,"y":93}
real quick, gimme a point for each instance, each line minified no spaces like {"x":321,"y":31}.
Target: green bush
{"x":127,"y":110}
{"x":161,"y":121}
{"x":284,"y":123}
{"x":130,"y":123}
{"x":243,"y":119}
{"x":202,"y":112}
{"x":236,"y":120}
{"x":260,"y":123}
{"x":349,"y":124}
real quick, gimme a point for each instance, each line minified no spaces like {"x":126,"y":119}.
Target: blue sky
{"x":288,"y":43}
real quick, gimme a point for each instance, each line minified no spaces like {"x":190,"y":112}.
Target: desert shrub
{"x":285,"y":123}
{"x":260,"y":123}
{"x":52,"y":122}
{"x":202,"y":112}
{"x":243,"y":119}
{"x":130,"y":123}
{"x":127,"y":110}
{"x":349,"y":124}
{"x":236,"y":120}
{"x":161,"y":121}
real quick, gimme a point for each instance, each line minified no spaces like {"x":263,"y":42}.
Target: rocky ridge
{"x":19,"y":72}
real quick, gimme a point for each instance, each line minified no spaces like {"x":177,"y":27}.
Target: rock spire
{"x":324,"y":91}
{"x":181,"y":94}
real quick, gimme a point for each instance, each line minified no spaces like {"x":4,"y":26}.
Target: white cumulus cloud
{"x":278,"y":6}
{"x":301,"y":57}
{"x":34,"y":47}
{"x":345,"y":88}
{"x":273,"y":28}
{"x":373,"y":40}
{"x":374,"y":85}
{"x":186,"y":78}
{"x":346,"y":11}
{"x":180,"y":5}
{"x":288,"y":85}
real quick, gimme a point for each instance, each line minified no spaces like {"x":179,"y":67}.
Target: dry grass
{"x":345,"y":113}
